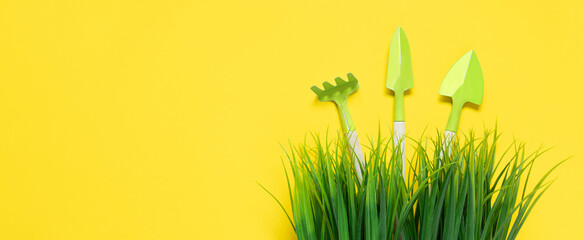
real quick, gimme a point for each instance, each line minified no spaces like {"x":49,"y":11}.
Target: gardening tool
{"x":338,"y":94}
{"x":463,"y":83}
{"x":399,"y":79}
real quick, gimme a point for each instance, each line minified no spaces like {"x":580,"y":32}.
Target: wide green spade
{"x":399,"y":79}
{"x":463,"y":83}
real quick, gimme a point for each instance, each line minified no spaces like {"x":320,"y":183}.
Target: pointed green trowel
{"x":463,"y":83}
{"x":399,"y":79}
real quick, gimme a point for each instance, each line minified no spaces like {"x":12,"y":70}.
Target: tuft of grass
{"x":470,"y":194}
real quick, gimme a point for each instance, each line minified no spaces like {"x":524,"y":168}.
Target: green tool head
{"x":338,"y":93}
{"x":464,"y":82}
{"x":399,"y":64}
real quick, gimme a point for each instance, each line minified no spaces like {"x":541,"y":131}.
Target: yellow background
{"x":155,"y":119}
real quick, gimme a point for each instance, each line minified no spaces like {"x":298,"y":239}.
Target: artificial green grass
{"x":470,"y":194}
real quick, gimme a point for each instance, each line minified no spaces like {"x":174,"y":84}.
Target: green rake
{"x":338,"y":94}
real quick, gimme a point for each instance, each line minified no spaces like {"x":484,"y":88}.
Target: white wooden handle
{"x":447,"y":142}
{"x":356,"y":151}
{"x":399,"y":138}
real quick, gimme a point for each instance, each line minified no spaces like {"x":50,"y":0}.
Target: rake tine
{"x":327,"y":86}
{"x":316,"y":90}
{"x":351,"y":77}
